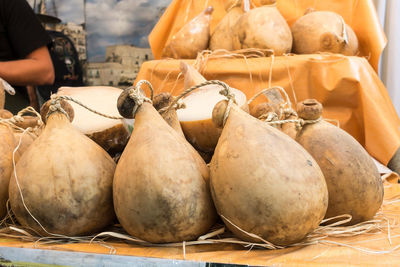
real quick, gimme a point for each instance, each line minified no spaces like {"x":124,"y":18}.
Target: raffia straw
{"x":206,"y":55}
{"x":344,"y":32}
{"x":137,"y":241}
{"x":384,"y":177}
{"x":166,"y":77}
{"x":388,"y":229}
{"x":206,"y":4}
{"x":212,"y":234}
{"x":187,"y":12}
{"x":3,"y":222}
{"x":25,"y":234}
{"x":392,"y":201}
{"x":290,"y":79}
{"x":246,"y":5}
{"x":347,"y":231}
{"x":155,"y":67}
{"x":184,"y":249}
{"x":180,"y":75}
{"x":13,"y":225}
{"x":165,"y":80}
{"x":233,"y":5}
{"x":11,"y":122}
{"x":317,"y":237}
{"x":280,"y":88}
{"x":270,"y":71}
{"x":254,"y":236}
{"x":380,"y":224}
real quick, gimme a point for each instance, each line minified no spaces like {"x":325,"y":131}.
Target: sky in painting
{"x":110,"y":22}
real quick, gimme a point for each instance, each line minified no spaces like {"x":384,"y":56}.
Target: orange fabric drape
{"x":359,"y":14}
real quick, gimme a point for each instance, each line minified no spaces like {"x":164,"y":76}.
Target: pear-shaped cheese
{"x":263,"y":28}
{"x":354,"y":184}
{"x":7,"y":146}
{"x":192,"y":38}
{"x":65,"y":180}
{"x":323,"y":31}
{"x":160,"y":192}
{"x":264,"y":183}
{"x":222,"y":37}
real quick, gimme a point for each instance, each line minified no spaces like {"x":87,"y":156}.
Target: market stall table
{"x":377,"y":247}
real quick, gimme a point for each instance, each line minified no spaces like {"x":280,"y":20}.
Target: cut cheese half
{"x":111,"y":134}
{"x":196,"y":120}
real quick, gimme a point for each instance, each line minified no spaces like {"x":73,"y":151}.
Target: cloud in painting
{"x":67,"y":11}
{"x":120,"y":22}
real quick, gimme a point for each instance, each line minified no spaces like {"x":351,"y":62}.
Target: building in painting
{"x":120,"y":68}
{"x":77,"y":34}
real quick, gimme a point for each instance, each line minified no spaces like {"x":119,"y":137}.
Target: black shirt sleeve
{"x":24,"y":31}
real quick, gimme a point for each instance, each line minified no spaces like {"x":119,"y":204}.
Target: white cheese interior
{"x":200,"y":103}
{"x":99,"y":98}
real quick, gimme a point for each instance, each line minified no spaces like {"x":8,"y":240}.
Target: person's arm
{"x":35,"y":69}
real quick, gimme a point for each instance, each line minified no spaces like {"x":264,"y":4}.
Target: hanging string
{"x":189,"y":90}
{"x":56,"y":106}
{"x":137,"y":95}
{"x":285,"y":111}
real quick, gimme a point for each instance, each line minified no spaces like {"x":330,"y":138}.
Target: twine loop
{"x":55,"y":106}
{"x":225,"y":92}
{"x":19,"y":117}
{"x":285,"y":111}
{"x":13,"y":121}
{"x":176,"y":106}
{"x":16,"y":119}
{"x":299,"y":122}
{"x":136,"y":94}
{"x":270,"y":116}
